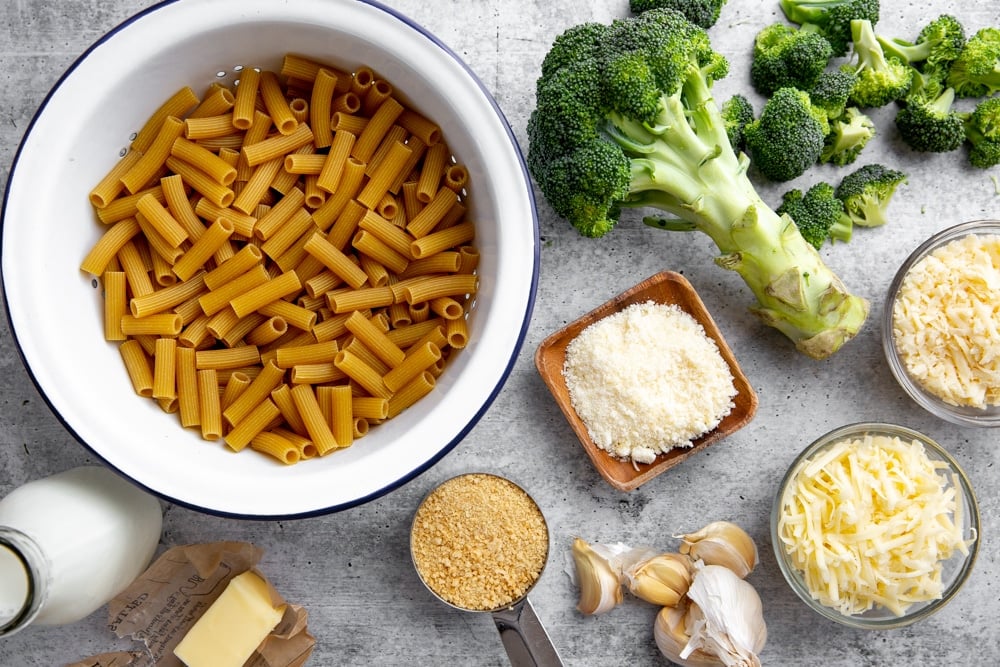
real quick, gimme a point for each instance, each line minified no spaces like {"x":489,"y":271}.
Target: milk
{"x":87,"y":533}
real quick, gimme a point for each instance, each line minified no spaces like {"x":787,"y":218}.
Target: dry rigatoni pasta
{"x":288,"y":261}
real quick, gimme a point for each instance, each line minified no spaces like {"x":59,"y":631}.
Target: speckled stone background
{"x":352,"y":570}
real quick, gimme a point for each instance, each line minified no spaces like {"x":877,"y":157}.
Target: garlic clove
{"x":662,"y":580}
{"x":599,"y":583}
{"x":726,"y":618}
{"x":670,"y":634}
{"x":722,"y":543}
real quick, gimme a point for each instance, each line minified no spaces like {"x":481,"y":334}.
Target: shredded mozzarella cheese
{"x":946,"y":321}
{"x":869,"y":522}
{"x":647,"y":379}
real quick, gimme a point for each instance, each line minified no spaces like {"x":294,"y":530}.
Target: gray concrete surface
{"x":352,"y":570}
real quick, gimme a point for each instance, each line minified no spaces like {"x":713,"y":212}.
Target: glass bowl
{"x":954,"y":570}
{"x":964,"y":415}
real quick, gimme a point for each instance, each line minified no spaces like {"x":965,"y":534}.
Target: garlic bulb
{"x":671,"y":636}
{"x":662,"y":580}
{"x":727,"y":618}
{"x":722,"y":543}
{"x":599,"y":582}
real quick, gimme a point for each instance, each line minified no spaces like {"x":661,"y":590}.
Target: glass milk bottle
{"x":71,"y":542}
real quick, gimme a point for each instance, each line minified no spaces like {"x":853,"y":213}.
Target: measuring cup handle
{"x":527,"y":643}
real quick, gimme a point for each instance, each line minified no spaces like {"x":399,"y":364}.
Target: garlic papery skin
{"x":722,"y":543}
{"x":662,"y":580}
{"x":599,"y":582}
{"x":727,"y":618}
{"x":671,"y":638}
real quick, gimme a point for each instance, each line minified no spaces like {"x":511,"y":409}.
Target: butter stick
{"x":236,"y":623}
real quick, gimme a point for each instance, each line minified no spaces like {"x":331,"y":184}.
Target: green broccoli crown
{"x":602,"y":105}
{"x":736,"y":113}
{"x":818,"y":214}
{"x":880,"y":79}
{"x":939,"y":43}
{"x":784,"y":56}
{"x":704,"y":13}
{"x":982,"y":130}
{"x":848,"y":136}
{"x":831,"y":18}
{"x":867,"y":191}
{"x":832,"y":91}
{"x":931,"y":126}
{"x":788,"y":136}
{"x":976,"y":70}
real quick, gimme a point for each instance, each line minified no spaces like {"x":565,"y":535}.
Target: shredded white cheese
{"x":869,"y":522}
{"x":647,"y":379}
{"x":946,"y":321}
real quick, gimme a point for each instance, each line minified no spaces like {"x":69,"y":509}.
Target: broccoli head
{"x":704,"y":13}
{"x":624,"y":118}
{"x":788,"y":136}
{"x":982,"y":130}
{"x":866,"y":193}
{"x":832,"y":91}
{"x":976,"y":70}
{"x":736,"y":112}
{"x":818,"y":214}
{"x":831,"y":18}
{"x":881,"y":79}
{"x":784,"y":56}
{"x":939,"y":43}
{"x":848,"y":136}
{"x":930,"y":125}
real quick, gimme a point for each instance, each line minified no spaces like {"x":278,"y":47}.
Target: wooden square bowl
{"x":665,"y":288}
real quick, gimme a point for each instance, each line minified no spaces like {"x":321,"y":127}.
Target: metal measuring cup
{"x":524,"y":637}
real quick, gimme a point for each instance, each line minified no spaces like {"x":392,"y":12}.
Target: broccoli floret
{"x":831,"y":92}
{"x":976,"y":70}
{"x":848,"y":136}
{"x":784,"y":56}
{"x":939,"y":43}
{"x":736,"y":112}
{"x":982,"y":130}
{"x":930,"y":125}
{"x":625,"y":117}
{"x":831,"y":18}
{"x":704,"y":13}
{"x":788,"y":136}
{"x":866,"y":193}
{"x":880,"y":79}
{"x":818,"y":214}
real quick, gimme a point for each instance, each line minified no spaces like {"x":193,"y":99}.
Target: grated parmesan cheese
{"x":869,"y":522}
{"x":647,"y":379}
{"x":946,"y":321}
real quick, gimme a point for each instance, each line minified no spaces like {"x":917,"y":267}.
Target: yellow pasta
{"x":265,"y":293}
{"x":195,"y":257}
{"x":312,"y":417}
{"x":374,"y":339}
{"x":177,"y":105}
{"x":272,"y":444}
{"x":277,"y":146}
{"x":168,"y":297}
{"x":165,"y":368}
{"x":235,"y":357}
{"x":255,"y":422}
{"x":115,"y":305}
{"x":258,"y":390}
{"x":282,"y":297}
{"x":246,"y":99}
{"x":137,"y":366}
{"x":187,"y":387}
{"x":161,"y":324}
{"x":102,"y":252}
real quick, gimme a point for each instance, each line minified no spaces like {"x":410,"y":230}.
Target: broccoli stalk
{"x":625,"y":117}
